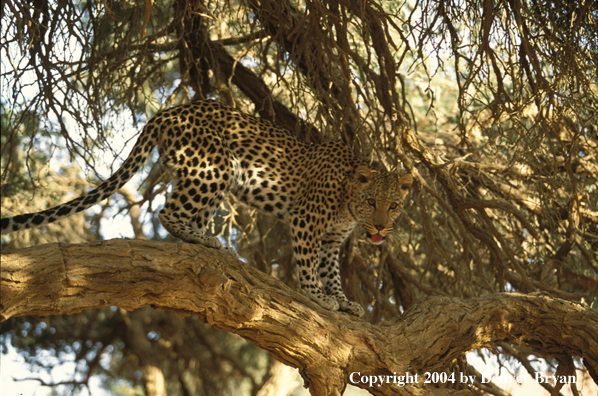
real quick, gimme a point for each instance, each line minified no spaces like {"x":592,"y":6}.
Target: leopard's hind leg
{"x":185,"y":216}
{"x":201,"y":179}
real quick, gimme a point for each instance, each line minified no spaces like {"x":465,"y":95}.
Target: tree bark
{"x":325,"y":346}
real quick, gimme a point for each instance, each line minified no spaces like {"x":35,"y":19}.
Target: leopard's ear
{"x":363,"y":174}
{"x":405,"y":181}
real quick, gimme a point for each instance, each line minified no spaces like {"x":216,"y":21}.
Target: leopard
{"x":323,"y":191}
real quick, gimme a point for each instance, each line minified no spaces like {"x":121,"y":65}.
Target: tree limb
{"x":326,"y":346}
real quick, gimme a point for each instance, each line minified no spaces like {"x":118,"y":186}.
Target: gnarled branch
{"x":326,"y":346}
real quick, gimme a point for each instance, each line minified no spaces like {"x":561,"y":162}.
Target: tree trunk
{"x":326,"y":347}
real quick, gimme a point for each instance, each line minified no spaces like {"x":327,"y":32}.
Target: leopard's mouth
{"x":375,"y":239}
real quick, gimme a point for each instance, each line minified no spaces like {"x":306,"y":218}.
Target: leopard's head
{"x":378,"y":200}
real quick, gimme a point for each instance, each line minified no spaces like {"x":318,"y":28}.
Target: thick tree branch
{"x":326,"y":346}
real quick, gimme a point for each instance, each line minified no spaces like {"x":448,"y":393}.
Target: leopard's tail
{"x":144,"y":145}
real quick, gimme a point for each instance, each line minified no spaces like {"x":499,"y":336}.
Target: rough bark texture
{"x":326,"y":346}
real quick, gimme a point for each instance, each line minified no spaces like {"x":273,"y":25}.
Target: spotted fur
{"x":323,"y":191}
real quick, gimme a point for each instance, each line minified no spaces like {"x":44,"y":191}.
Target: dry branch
{"x":326,"y":346}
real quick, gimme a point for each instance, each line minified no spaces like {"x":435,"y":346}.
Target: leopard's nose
{"x":379,"y":227}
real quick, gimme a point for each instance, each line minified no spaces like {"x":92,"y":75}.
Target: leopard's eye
{"x":394,"y":205}
{"x":372,"y":201}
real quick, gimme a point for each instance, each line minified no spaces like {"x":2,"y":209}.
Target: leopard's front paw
{"x":324,"y":301}
{"x":353,"y":308}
